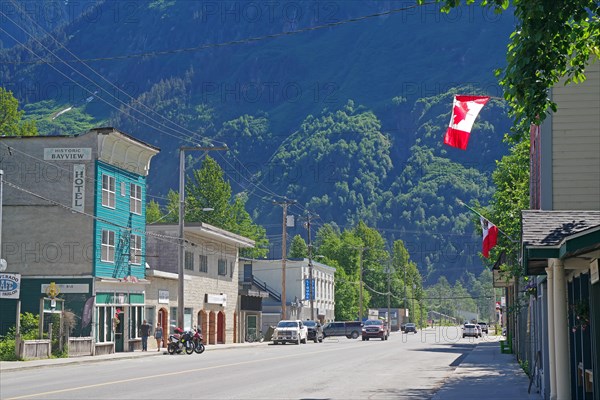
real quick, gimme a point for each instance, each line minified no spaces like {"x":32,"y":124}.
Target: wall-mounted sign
{"x":217,"y":299}
{"x":10,"y":286}
{"x":594,"y":276}
{"x":78,"y":201}
{"x":68,"y":287}
{"x":68,"y":154}
{"x":163,"y":296}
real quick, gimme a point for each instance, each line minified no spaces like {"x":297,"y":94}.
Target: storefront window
{"x":135,"y":321}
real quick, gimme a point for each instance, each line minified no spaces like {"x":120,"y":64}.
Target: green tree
{"x":553,"y":40}
{"x":11,"y":123}
{"x":153,"y":212}
{"x":298,"y":249}
{"x":208,"y":199}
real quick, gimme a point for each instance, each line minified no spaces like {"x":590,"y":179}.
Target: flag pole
{"x":499,"y":230}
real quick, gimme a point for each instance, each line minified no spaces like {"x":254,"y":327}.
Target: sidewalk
{"x":487,"y":373}
{"x":6,"y":366}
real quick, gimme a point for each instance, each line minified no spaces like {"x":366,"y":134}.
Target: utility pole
{"x":389,"y":292}
{"x":310,"y":270}
{"x":405,"y":290}
{"x":285,"y":203}
{"x":181,"y":254}
{"x":360,"y":298}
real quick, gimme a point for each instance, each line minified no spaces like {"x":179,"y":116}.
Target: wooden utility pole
{"x":285,"y":203}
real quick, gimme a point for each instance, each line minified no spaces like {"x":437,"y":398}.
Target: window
{"x":123,"y":192}
{"x":135,"y":199}
{"x":189,"y":261}
{"x":108,"y":246}
{"x":135,"y":321}
{"x":203,"y":263}
{"x":222,"y":267}
{"x":105,"y":324}
{"x":108,"y":191}
{"x":135,"y":249}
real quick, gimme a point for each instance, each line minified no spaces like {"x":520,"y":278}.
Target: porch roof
{"x":556,"y":234}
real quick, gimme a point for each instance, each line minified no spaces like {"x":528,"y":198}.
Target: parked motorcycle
{"x":180,"y":341}
{"x":198,"y":341}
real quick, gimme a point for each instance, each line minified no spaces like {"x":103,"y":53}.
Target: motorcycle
{"x":198,"y":340}
{"x":180,"y":341}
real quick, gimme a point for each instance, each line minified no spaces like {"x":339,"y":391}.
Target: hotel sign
{"x":78,"y":202}
{"x":163,"y":296}
{"x":68,"y":154}
{"x":217,"y":299}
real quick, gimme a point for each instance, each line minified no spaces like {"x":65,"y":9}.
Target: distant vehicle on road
{"x":350,"y":329}
{"x":315,"y":331}
{"x":484,"y":327}
{"x":471,"y":330}
{"x":290,"y":331}
{"x":410,"y":327}
{"x":374,"y":328}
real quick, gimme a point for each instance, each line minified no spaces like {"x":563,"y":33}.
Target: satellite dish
{"x":3,"y":265}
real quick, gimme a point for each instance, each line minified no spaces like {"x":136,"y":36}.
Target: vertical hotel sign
{"x":78,"y":202}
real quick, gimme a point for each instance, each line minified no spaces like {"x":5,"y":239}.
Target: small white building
{"x":267,"y":275}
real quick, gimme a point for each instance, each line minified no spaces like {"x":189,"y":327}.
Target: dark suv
{"x":410,"y":327}
{"x":350,"y":329}
{"x":315,"y":331}
{"x":374,"y":328}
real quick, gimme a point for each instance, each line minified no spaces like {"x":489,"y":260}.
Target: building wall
{"x":576,"y":144}
{"x":121,"y":221}
{"x":163,"y":256}
{"x":41,"y":237}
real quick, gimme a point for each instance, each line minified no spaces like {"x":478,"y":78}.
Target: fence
{"x":81,"y":346}
{"x":30,"y":349}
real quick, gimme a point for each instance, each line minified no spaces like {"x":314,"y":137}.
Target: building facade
{"x":210,"y":279}
{"x":268,"y":275}
{"x":74,"y":219}
{"x":561,"y":244}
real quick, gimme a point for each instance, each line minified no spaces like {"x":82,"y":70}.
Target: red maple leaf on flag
{"x":460,"y":111}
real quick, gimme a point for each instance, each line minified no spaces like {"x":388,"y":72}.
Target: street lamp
{"x":180,"y":288}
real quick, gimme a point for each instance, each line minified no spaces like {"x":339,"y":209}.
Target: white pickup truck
{"x":292,"y":331}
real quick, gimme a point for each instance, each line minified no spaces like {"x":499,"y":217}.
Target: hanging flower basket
{"x":531,"y":289}
{"x":581,"y":314}
{"x":115,"y":321}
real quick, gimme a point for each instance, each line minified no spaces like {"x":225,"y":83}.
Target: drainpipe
{"x":561,"y":332}
{"x":551,"y":343}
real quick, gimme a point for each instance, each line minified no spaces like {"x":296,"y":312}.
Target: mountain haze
{"x":346,"y":119}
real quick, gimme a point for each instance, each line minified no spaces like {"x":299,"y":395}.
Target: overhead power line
{"x":232,"y":42}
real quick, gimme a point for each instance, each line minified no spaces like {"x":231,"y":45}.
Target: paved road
{"x":404,"y":367}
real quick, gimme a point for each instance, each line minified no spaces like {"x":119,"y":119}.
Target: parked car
{"x":410,"y":327}
{"x":350,"y":329}
{"x":402,"y":326}
{"x":471,"y":330}
{"x":315,"y":331}
{"x":374,"y":328}
{"x":484,"y":327}
{"x":292,"y":331}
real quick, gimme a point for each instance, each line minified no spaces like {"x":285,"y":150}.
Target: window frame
{"x":109,"y":186}
{"x":106,"y":246}
{"x":135,"y":252}
{"x":222,"y":267}
{"x":188,"y":261}
{"x":203,"y":261}
{"x":135,"y":202}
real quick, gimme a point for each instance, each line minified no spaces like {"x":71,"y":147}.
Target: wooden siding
{"x":119,"y":220}
{"x":576,"y":144}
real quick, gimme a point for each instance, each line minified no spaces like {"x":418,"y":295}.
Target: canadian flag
{"x":464,"y":111}
{"x":490,"y":236}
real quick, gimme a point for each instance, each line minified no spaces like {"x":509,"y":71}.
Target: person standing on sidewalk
{"x":158,"y":335}
{"x":145,"y":332}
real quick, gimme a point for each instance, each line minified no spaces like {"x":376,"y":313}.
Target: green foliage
{"x":553,"y":41}
{"x":208,"y":199}
{"x":153,"y":212}
{"x":511,"y":178}
{"x":29,"y":331}
{"x":298,"y":248}
{"x":46,"y":116}
{"x":11,"y":123}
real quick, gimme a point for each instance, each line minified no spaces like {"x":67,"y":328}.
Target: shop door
{"x":119,"y":337}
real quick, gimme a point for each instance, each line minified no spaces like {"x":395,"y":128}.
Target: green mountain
{"x":339,"y":105}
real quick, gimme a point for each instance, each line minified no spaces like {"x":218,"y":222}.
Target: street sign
{"x":307,"y":289}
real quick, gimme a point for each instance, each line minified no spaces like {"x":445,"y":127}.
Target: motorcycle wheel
{"x":200,"y":348}
{"x":189,"y":349}
{"x":171,"y":348}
